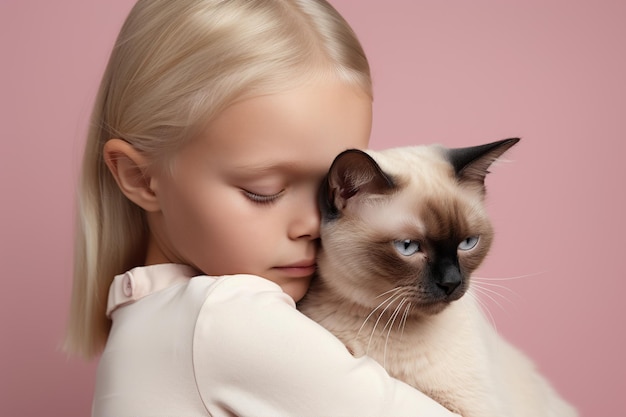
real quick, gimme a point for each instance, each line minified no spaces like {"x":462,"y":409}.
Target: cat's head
{"x":407,"y":223}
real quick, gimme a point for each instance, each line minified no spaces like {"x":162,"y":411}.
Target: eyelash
{"x":261,"y":198}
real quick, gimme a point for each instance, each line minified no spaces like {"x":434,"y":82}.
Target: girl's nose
{"x":305,"y":220}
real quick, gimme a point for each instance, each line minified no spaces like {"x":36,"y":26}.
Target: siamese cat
{"x":402,"y":231}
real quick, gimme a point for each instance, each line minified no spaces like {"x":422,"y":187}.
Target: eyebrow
{"x":287,"y":167}
{"x":267,"y":166}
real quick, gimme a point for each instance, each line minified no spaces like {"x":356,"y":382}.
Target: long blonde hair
{"x":174,"y":66}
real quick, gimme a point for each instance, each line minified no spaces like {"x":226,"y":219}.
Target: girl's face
{"x":243,"y":197}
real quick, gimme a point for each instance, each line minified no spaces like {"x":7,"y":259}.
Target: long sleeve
{"x":254,"y":354}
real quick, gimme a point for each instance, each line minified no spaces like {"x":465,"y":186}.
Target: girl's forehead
{"x":316,"y":120}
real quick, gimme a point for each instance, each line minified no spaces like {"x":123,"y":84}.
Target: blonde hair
{"x":174,"y":66}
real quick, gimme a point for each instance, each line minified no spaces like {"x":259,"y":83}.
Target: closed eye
{"x":262,"y":198}
{"x":469,"y":243}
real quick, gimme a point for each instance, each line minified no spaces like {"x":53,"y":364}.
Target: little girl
{"x":198,"y":224}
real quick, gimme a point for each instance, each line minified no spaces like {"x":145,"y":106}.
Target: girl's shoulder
{"x":162,"y":280}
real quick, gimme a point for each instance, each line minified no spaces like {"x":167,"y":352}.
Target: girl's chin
{"x":296,"y":288}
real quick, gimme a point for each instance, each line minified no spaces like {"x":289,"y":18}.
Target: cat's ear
{"x":471,"y":164}
{"x":353,"y":173}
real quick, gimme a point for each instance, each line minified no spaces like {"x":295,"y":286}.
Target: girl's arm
{"x":255,"y":355}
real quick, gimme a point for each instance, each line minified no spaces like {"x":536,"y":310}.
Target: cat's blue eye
{"x":406,"y":247}
{"x":469,"y":243}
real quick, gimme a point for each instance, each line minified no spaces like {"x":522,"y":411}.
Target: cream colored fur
{"x":451,"y":352}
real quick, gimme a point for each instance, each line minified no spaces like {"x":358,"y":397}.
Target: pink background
{"x":459,"y":73}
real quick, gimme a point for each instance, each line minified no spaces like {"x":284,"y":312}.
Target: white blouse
{"x":184,"y":345}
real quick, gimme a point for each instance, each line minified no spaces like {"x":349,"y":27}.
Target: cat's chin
{"x":429,"y":308}
{"x":433,"y":304}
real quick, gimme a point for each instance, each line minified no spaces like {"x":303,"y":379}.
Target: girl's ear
{"x":128,"y":167}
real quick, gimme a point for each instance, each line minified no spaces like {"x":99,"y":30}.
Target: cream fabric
{"x":234,"y":345}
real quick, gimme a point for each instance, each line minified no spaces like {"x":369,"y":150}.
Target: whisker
{"x":534,"y":274}
{"x":377,"y":307}
{"x":405,"y":316}
{"x":395,"y":312}
{"x":382,"y":313}
{"x":485,"y":287}
{"x":498,"y":290}
{"x":387,"y":292}
{"x":478,"y":289}
{"x":491,"y":284}
{"x":484,"y":292}
{"x":392,"y":319}
{"x":484,"y":308}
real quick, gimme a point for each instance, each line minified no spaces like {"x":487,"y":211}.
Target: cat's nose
{"x":450,"y":279}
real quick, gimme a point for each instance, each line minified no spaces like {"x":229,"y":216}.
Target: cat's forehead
{"x":397,"y":218}
{"x":416,"y":166}
{"x":428,"y":195}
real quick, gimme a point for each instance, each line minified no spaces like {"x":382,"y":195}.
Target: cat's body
{"x":401,"y":235}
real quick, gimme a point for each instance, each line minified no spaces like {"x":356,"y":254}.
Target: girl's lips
{"x":300,"y":269}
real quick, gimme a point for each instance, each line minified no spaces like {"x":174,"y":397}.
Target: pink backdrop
{"x":458,"y":73}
